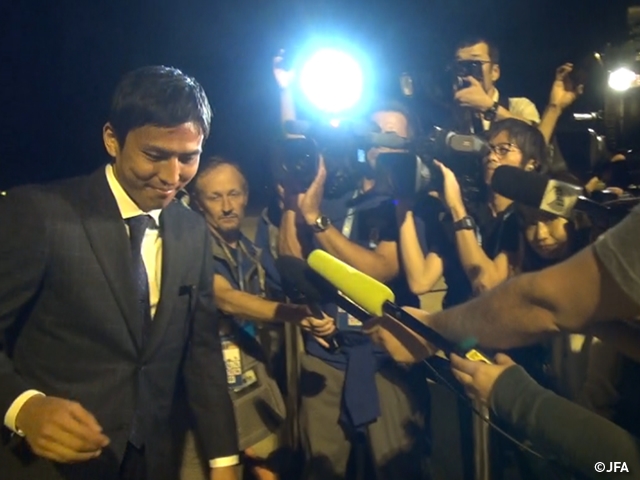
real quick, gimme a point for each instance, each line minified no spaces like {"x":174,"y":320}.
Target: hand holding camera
{"x":473,"y":96}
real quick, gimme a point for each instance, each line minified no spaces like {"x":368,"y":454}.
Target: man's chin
{"x":228,"y":229}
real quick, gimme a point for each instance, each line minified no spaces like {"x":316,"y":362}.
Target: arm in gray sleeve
{"x":619,"y":251}
{"x":561,"y":429}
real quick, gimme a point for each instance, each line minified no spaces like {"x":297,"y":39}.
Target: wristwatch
{"x":490,"y":114}
{"x":321,"y":224}
{"x":465,"y":223}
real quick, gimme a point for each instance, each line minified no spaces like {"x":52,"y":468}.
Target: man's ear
{"x":495,"y":72}
{"x":110,"y":140}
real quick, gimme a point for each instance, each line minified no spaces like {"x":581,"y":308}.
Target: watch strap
{"x":465,"y":223}
{"x":492,"y":112}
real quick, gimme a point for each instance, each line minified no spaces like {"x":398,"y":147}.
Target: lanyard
{"x":347,"y":227}
{"x":240,"y":272}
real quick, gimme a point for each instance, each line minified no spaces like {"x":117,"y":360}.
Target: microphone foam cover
{"x":361,"y":289}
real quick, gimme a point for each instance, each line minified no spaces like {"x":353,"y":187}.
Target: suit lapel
{"x":110,"y":243}
{"x":175,"y":241}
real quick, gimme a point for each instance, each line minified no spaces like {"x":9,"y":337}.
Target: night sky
{"x":62,"y":59}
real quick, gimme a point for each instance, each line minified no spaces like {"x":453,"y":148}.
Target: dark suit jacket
{"x":68,"y":325}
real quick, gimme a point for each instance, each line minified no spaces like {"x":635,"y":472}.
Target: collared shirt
{"x":519,"y":106}
{"x":152,"y":241}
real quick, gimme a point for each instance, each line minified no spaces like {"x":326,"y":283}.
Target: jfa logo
{"x":613,"y":467}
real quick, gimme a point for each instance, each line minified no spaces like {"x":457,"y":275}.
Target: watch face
{"x":324,"y":222}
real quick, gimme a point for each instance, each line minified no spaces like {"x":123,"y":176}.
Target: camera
{"x":463,"y":69}
{"x":405,"y":174}
{"x":343,"y":146}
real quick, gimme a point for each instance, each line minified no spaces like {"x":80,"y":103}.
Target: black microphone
{"x":559,"y":198}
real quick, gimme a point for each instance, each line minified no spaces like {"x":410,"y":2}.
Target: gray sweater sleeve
{"x":562,"y":430}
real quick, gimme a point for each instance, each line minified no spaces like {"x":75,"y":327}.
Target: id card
{"x":248,"y":378}
{"x":232,"y":361}
{"x":346,"y":322}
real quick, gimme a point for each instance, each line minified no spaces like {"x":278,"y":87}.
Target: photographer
{"x":487,"y":240}
{"x":479,"y":93}
{"x":247,"y":289}
{"x":357,"y":391}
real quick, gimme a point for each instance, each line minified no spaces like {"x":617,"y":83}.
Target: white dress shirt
{"x":152,"y":259}
{"x":521,"y":107}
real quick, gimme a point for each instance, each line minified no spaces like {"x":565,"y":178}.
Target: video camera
{"x":404,"y":175}
{"x":343,"y":146}
{"x":594,"y":138}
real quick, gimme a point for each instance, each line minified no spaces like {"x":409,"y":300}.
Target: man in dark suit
{"x":106,"y":303}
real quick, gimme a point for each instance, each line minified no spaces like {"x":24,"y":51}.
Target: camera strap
{"x":347,"y":227}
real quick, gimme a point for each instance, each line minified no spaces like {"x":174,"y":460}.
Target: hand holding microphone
{"x":378,"y":300}
{"x":402,"y":343}
{"x":319,"y":325}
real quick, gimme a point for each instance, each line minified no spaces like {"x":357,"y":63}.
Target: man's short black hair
{"x":160,"y":96}
{"x":527,"y":138}
{"x":470,"y":41}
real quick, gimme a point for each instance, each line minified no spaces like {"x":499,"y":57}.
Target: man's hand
{"x":283,"y":77}
{"x":563,"y":93}
{"x":452,"y":192}
{"x":224,"y":473}
{"x":474,"y":96}
{"x":60,"y":430}
{"x":478,"y":378}
{"x":320,"y":327}
{"x":309,"y":202}
{"x":403,"y":344}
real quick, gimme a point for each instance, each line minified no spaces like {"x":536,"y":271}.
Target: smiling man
{"x":106,"y":301}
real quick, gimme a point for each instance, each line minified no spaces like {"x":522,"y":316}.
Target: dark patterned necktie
{"x":137,"y":228}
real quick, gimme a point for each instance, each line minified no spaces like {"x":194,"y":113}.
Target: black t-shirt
{"x":374,"y":221}
{"x":499,"y":233}
{"x":437,"y":236}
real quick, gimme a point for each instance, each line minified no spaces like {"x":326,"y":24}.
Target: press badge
{"x":248,"y":378}
{"x":233,"y":361}
{"x":347,"y":322}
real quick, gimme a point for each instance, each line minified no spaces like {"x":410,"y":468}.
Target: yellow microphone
{"x":378,"y":299}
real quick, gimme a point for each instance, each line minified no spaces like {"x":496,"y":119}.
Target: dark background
{"x":60,"y":61}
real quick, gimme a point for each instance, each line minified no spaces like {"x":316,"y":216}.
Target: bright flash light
{"x":332,"y":80}
{"x":622,"y":79}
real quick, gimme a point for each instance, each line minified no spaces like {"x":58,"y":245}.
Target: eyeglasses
{"x":503,"y":149}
